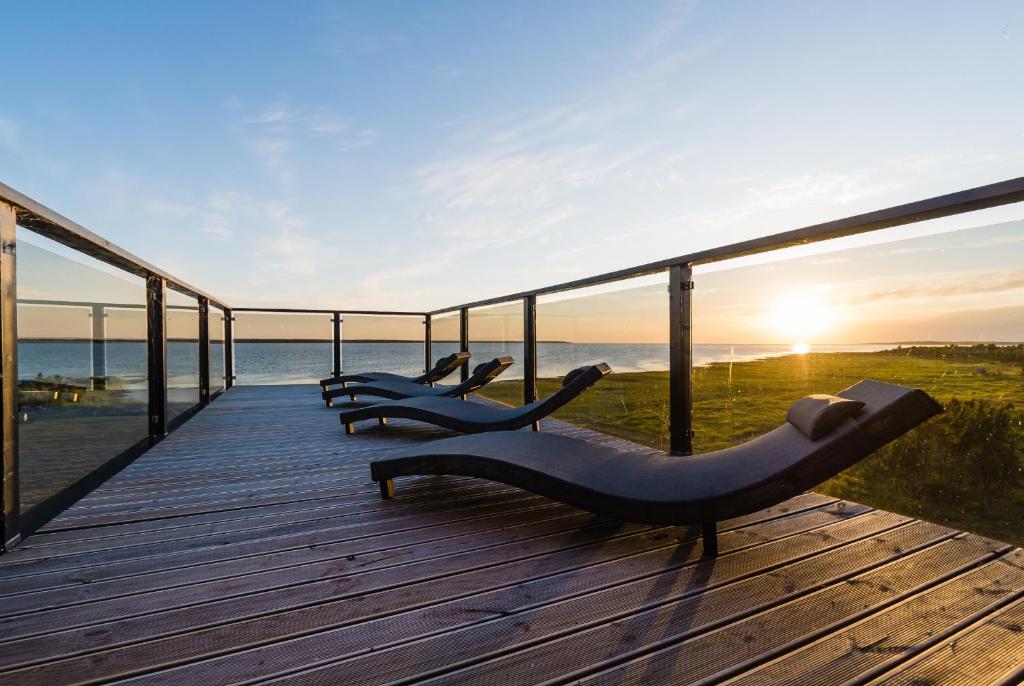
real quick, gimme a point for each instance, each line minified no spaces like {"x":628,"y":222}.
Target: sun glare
{"x":800,"y":319}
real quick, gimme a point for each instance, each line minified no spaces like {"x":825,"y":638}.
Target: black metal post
{"x":337,"y":344}
{"x":229,"y":349}
{"x":10,"y":524}
{"x":156,"y":347}
{"x":428,"y":359}
{"x":680,"y":286}
{"x":204,"y":350}
{"x":529,"y":349}
{"x":464,"y":339}
{"x":99,"y":347}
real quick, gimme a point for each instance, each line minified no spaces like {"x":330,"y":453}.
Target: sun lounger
{"x":394,"y":389}
{"x":457,"y":415}
{"x":662,"y":489}
{"x":444,"y":366}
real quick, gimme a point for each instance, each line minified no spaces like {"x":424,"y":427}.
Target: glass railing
{"x":182,"y":353}
{"x":444,"y":338}
{"x":82,"y":372}
{"x":940,"y":312}
{"x":218,"y":374}
{"x":282,"y":348}
{"x":384,"y":343}
{"x":625,"y":325}
{"x":497,"y":331}
{"x":110,"y":349}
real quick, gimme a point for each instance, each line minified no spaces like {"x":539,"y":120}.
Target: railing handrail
{"x":299,"y":310}
{"x":982,"y":197}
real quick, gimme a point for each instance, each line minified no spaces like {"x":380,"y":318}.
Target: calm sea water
{"x":280,"y":363}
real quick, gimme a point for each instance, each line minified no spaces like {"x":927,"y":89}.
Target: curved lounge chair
{"x":660,"y":489}
{"x":474,"y":418}
{"x":442,"y":368}
{"x":395,"y":390}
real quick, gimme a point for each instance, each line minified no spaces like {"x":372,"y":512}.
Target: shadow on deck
{"x":251,"y":545}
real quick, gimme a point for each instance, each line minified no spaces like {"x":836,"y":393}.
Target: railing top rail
{"x":41,"y":219}
{"x":982,"y":197}
{"x":293,"y":310}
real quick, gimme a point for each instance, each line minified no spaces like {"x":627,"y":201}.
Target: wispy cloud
{"x":275,"y":153}
{"x":836,"y":188}
{"x":280,"y":131}
{"x":10,"y":133}
{"x":935,"y":288}
{"x":284,"y":120}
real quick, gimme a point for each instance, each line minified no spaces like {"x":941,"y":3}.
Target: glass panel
{"x":276,"y":348}
{"x":182,"y":353}
{"x":444,"y":338}
{"x":82,"y":369}
{"x":943,"y":312}
{"x":385,"y":343}
{"x":216,"y":326}
{"x":624,"y":325}
{"x":495,"y":331}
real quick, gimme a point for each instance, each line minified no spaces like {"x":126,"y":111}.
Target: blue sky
{"x":417,"y":155}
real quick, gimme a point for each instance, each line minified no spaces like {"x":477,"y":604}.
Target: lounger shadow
{"x":442,"y":368}
{"x":662,"y":489}
{"x":394,"y":390}
{"x":457,"y":415}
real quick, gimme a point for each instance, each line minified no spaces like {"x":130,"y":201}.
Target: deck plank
{"x":251,"y":545}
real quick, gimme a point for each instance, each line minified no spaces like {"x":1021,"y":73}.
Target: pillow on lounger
{"x":818,"y":414}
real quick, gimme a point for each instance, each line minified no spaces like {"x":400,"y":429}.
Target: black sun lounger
{"x":472,"y":418}
{"x":444,"y":366}
{"x":662,"y":489}
{"x":394,"y":390}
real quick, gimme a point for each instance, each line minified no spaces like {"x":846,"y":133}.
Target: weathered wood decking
{"x":251,"y":546}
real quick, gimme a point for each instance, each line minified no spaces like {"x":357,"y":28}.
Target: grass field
{"x":964,"y":468}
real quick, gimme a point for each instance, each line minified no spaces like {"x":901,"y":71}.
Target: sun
{"x":800,"y":319}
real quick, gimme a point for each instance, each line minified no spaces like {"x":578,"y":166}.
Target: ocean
{"x":304,"y":362}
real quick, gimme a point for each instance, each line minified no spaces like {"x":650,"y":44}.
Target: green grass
{"x":950,"y":471}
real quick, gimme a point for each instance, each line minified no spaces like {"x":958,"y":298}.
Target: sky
{"x":414,"y":155}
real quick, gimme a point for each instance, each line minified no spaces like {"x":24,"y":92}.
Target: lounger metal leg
{"x":350,"y":428}
{"x":387,"y":489}
{"x":344,"y":384}
{"x":536,"y":426}
{"x":383,"y":421}
{"x":330,"y":404}
{"x":709,"y":531}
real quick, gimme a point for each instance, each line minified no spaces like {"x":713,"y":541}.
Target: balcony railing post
{"x":229,"y":349}
{"x":529,"y":349}
{"x":428,"y":358}
{"x":680,"y":282}
{"x":156,"y":347}
{"x":336,"y":321}
{"x":204,"y":350}
{"x":9,"y":497}
{"x":464,"y":339}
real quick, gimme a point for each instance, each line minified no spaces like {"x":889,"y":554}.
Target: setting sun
{"x":800,"y":318}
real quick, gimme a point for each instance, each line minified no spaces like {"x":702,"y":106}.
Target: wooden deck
{"x":250,"y":546}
